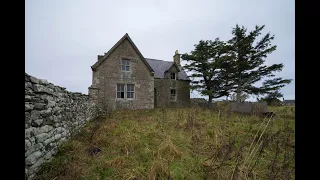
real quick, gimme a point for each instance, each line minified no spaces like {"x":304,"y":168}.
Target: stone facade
{"x":163,"y":88}
{"x":108,"y":74}
{"x":149,"y":91}
{"x":52,"y":114}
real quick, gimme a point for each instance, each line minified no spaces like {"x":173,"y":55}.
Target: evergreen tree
{"x":249,"y":55}
{"x":205,"y":64}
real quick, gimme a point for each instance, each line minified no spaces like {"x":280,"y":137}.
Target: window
{"x":173,"y":95}
{"x":173,"y":75}
{"x":130,"y":91}
{"x":125,"y":91}
{"x":125,"y":65}
{"x":120,"y":90}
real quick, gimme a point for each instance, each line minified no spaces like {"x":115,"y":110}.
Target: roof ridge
{"x":158,"y":60}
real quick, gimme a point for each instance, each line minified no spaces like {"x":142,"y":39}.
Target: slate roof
{"x":160,"y":67}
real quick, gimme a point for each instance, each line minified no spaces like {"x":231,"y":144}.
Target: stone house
{"x":123,"y":79}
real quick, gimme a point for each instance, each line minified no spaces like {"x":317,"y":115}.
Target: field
{"x":179,"y":144}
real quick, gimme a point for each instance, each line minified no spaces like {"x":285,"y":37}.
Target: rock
{"x":42,"y":89}
{"x":39,"y":106}
{"x":35,"y":115}
{"x":48,"y":141}
{"x":45,"y":129}
{"x":29,"y":132}
{"x":57,"y":137}
{"x":41,"y":137}
{"x":51,"y":103}
{"x":48,"y":155}
{"x":37,"y":123}
{"x":27,"y":98}
{"x":46,"y":113}
{"x":34,"y":80}
{"x":49,"y":120}
{"x":27,"y":85}
{"x":32,"y":158}
{"x":38,"y":146}
{"x":28,"y":107}
{"x":27,"y":145}
{"x":43,"y":81}
{"x":27,"y":117}
{"x":36,"y":166}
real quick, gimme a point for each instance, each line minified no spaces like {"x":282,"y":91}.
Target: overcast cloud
{"x":64,"y":37}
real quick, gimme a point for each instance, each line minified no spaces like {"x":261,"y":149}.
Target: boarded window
{"x":173,"y":75}
{"x":130,"y":91}
{"x":125,"y":65}
{"x":120,"y":90}
{"x":173,"y":95}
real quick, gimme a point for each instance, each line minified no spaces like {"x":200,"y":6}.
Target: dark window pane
{"x":122,"y":87}
{"x":123,"y":67}
{"x":118,"y":94}
{"x":127,"y":68}
{"x":122,"y":94}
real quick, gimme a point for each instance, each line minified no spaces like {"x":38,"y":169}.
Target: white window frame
{"x":126,"y":65}
{"x":125,"y":91}
{"x":175,"y":95}
{"x":132,"y":91}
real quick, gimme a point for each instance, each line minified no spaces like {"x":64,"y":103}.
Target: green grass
{"x":178,"y":144}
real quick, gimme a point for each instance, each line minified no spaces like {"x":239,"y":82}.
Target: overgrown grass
{"x":179,"y":144}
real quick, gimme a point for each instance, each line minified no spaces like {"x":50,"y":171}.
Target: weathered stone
{"x":36,"y":165}
{"x":45,"y":129}
{"x":37,"y":123}
{"x":51,"y":103}
{"x":27,"y":98}
{"x":27,"y":117}
{"x":57,"y":137}
{"x":27,"y":85}
{"x":48,"y":141}
{"x":38,"y":146}
{"x":39,"y":106}
{"x":32,"y":158}
{"x":48,"y":155}
{"x":46,"y":113}
{"x":28,"y":132}
{"x":34,"y":80}
{"x":41,"y":137}
{"x":28,"y":107}
{"x":49,"y":120}
{"x":43,"y":81}
{"x":27,"y":145}
{"x":42,"y":89}
{"x":35,"y":115}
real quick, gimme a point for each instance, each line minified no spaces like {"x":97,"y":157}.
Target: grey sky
{"x":63,"y":38}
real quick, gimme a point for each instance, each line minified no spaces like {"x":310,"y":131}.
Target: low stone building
{"x":123,"y":79}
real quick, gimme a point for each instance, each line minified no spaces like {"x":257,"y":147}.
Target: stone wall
{"x":52,"y":115}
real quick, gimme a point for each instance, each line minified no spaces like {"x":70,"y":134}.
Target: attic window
{"x":125,"y":65}
{"x":173,"y":95}
{"x":173,"y":75}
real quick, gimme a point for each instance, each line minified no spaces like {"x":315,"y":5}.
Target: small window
{"x":173,"y":75}
{"x":125,"y":65}
{"x":120,"y":90}
{"x":173,"y":95}
{"x":130,"y":91}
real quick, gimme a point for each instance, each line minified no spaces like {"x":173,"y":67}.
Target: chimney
{"x":99,"y":57}
{"x":176,"y":58}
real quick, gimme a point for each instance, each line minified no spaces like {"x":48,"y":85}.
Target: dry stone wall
{"x":52,"y":115}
